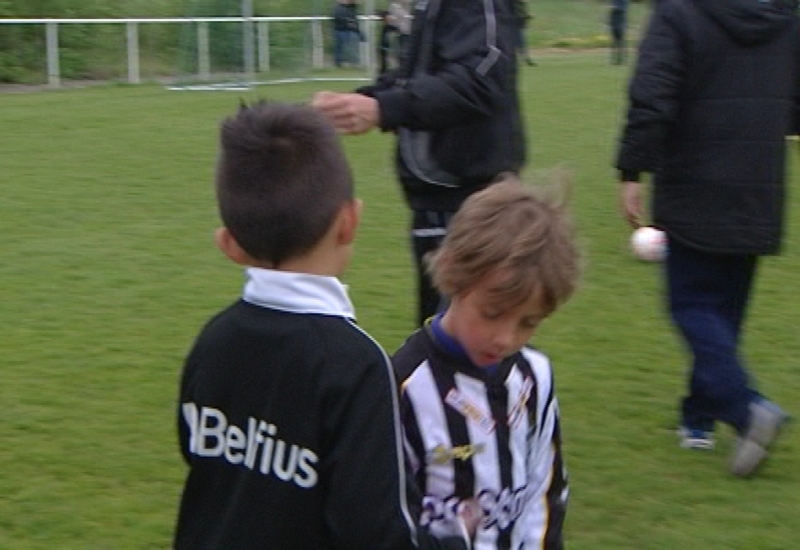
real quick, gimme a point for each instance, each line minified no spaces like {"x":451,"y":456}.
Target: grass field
{"x":107,"y":271}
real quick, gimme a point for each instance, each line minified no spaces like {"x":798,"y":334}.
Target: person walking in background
{"x":523,"y":19}
{"x":479,"y":407}
{"x":715,"y":92}
{"x":454,"y":106}
{"x":618,"y":24}
{"x":272,"y":462}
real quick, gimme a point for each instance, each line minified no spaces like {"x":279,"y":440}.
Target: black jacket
{"x":467,"y":99}
{"x":289,"y":422}
{"x":345,"y":17}
{"x":715,"y":93}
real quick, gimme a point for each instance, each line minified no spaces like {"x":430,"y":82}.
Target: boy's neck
{"x":325,"y":259}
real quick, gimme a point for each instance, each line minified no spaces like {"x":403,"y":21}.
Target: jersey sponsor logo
{"x":500,"y":510}
{"x":256,"y":448}
{"x":442,"y":455}
{"x":468,"y":409}
{"x":517,"y":411}
{"x":503,"y":509}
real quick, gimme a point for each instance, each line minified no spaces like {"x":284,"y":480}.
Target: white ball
{"x":649,"y":244}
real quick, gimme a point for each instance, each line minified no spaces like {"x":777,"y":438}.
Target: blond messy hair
{"x":522,"y":231}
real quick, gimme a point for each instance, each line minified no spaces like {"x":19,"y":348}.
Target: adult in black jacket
{"x":713,"y":97}
{"x":455,"y":101}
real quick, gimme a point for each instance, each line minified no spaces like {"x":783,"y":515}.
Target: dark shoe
{"x":763,"y":429}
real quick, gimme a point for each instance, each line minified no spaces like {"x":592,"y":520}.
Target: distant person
{"x":524,"y":17}
{"x":715,"y":92}
{"x":346,"y":33}
{"x":387,"y":44}
{"x":618,"y":23}
{"x":454,"y":106}
{"x":479,"y":408}
{"x":401,"y":18}
{"x":288,"y":416}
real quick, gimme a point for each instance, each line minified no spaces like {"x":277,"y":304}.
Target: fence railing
{"x":256,"y":56}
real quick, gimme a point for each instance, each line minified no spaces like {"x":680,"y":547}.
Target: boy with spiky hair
{"x":479,"y":410}
{"x":288,"y":415}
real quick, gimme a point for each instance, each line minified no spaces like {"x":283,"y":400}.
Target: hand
{"x":630,"y":203}
{"x":471,"y":514}
{"x":468,"y":518}
{"x":349,"y":113}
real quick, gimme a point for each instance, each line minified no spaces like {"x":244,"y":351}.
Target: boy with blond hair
{"x":479,"y":410}
{"x":288,"y":416}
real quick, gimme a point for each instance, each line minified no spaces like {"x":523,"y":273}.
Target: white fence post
{"x":318,"y":48}
{"x":248,"y":36}
{"x":53,"y":68}
{"x":133,"y":53}
{"x":263,"y":46}
{"x":203,"y":57}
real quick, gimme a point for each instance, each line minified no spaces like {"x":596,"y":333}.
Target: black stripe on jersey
{"x":408,"y":416}
{"x":554,"y":539}
{"x":459,"y":436}
{"x":533,"y":399}
{"x":497,"y":394}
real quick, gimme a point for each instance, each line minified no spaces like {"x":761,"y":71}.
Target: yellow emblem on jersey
{"x":442,"y":455}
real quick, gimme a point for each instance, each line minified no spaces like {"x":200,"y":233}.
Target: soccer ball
{"x":649,"y":244}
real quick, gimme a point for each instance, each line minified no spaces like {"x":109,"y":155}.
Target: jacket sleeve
{"x":653,"y":92}
{"x":796,"y":110}
{"x":471,"y":63}
{"x":368,"y":491}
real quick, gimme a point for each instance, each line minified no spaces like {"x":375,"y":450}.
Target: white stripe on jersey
{"x":485,"y":463}
{"x":424,"y":396}
{"x":518,"y":436}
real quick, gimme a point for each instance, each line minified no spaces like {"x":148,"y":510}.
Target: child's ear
{"x":350,"y":217}
{"x":226,"y":242}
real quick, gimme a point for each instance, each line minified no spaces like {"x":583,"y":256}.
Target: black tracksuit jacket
{"x":288,"y":420}
{"x":467,"y":99}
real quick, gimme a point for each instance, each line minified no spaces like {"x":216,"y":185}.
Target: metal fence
{"x":256,"y":48}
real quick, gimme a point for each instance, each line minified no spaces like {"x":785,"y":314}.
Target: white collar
{"x":297,"y":292}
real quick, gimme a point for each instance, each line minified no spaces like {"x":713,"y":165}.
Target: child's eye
{"x":490,"y":314}
{"x":530,"y":323}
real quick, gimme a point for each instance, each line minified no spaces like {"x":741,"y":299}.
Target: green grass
{"x":578,"y":23}
{"x":108,"y":270}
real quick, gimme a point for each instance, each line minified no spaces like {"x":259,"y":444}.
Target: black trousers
{"x":428,"y":229}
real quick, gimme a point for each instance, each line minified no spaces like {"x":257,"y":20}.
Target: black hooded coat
{"x":715,"y":93}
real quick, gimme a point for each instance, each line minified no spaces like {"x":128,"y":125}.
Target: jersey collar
{"x":297,"y":292}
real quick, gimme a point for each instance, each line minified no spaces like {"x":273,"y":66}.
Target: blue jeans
{"x":341,"y":41}
{"x":708,"y":297}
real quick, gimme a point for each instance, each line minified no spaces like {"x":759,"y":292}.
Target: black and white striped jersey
{"x":470,"y":433}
